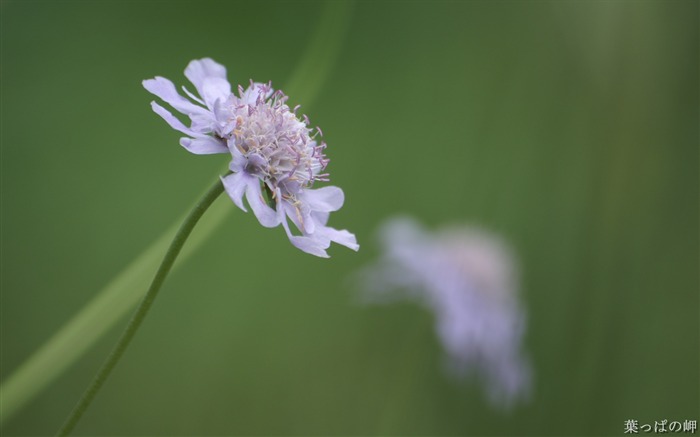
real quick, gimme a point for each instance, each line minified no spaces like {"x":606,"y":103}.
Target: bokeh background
{"x":570,"y":128}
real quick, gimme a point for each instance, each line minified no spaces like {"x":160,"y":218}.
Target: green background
{"x":570,"y":128}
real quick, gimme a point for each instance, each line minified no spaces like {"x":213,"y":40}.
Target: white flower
{"x":273,"y":150}
{"x":467,"y":278}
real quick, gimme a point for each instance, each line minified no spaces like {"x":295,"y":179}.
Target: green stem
{"x":142,"y":310}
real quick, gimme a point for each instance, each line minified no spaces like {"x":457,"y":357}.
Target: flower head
{"x":276,"y":155}
{"x":466,"y":277}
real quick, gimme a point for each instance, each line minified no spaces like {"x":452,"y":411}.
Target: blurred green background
{"x":571,"y":128}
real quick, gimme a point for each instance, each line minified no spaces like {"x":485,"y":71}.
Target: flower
{"x":467,"y":278}
{"x":276,"y":157}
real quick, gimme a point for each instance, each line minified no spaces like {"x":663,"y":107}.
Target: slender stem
{"x":142,"y":310}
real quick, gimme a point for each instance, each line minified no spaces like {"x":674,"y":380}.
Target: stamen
{"x":273,"y":131}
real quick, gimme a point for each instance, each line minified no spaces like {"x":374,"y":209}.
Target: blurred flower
{"x":276,"y":156}
{"x":466,"y":277}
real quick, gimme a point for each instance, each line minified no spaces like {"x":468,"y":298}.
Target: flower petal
{"x":238,"y":160}
{"x":200,"y":69}
{"x":192,"y":96}
{"x":213,"y":90}
{"x":165,"y":89}
{"x":342,"y":237}
{"x":172,"y":120}
{"x":324,"y":199}
{"x":301,"y":216}
{"x":235,"y":185}
{"x":209,"y":78}
{"x":266,"y":215}
{"x":321,"y":218}
{"x":308,"y":244}
{"x":203,"y":145}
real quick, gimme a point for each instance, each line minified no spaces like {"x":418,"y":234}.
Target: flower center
{"x":279,"y":147}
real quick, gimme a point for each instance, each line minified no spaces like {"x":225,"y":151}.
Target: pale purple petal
{"x":192,"y":96}
{"x":301,"y":216}
{"x":199,"y":70}
{"x":172,"y":120}
{"x":338,"y":236}
{"x":215,"y":89}
{"x":321,"y":236}
{"x":321,"y":218}
{"x":203,"y":145}
{"x":235,"y":185}
{"x":266,"y":215}
{"x":165,"y":89}
{"x":324,"y":199}
{"x":238,"y":161}
{"x":310,"y":244}
{"x":222,"y":112}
